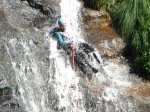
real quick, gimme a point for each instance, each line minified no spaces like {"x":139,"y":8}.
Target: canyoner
{"x":85,"y":57}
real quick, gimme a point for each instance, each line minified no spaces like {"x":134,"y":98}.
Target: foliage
{"x":144,"y":61}
{"x":98,"y":4}
{"x":132,"y":19}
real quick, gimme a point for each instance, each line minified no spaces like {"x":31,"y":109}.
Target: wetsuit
{"x":61,"y":37}
{"x":82,"y":51}
{"x":83,"y":55}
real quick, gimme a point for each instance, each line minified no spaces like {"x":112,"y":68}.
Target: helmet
{"x":61,"y":21}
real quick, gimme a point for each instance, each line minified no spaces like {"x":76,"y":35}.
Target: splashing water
{"x":66,"y":81}
{"x":28,"y":77}
{"x":70,"y":12}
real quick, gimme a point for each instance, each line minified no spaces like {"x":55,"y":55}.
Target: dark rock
{"x":19,"y":21}
{"x":47,"y":7}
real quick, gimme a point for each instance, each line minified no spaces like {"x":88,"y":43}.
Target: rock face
{"x":47,"y":7}
{"x":19,"y":22}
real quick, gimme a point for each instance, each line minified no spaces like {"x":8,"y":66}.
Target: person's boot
{"x":95,"y":70}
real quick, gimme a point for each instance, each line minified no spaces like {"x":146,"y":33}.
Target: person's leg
{"x":82,"y":57}
{"x":87,"y":48}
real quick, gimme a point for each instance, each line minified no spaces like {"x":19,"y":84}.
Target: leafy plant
{"x":144,"y":61}
{"x":132,"y":19}
{"x":98,"y":4}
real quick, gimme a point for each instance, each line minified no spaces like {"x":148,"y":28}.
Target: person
{"x":82,"y":51}
{"x":61,"y":34}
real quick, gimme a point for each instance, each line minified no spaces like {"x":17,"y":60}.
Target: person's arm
{"x":60,"y":39}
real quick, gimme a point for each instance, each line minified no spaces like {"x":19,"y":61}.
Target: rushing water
{"x":28,"y":76}
{"x":64,"y":79}
{"x":70,"y":12}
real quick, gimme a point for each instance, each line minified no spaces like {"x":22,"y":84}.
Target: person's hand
{"x":71,"y":44}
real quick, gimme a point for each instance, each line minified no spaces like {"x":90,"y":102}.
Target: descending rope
{"x":76,"y":87}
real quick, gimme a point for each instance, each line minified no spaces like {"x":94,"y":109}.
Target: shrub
{"x":98,"y":4}
{"x":132,"y":19}
{"x":144,"y":61}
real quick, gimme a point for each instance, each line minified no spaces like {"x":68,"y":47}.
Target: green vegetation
{"x":144,"y":61}
{"x":132,"y":19}
{"x":98,"y":4}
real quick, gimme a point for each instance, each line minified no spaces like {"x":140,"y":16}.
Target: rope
{"x":76,"y":87}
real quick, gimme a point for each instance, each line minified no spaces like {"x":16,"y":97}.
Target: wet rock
{"x":20,"y":24}
{"x":23,"y":16}
{"x":20,"y":15}
{"x":47,"y":7}
{"x":141,"y":92}
{"x":7,"y":102}
{"x":99,"y":33}
{"x":53,"y":99}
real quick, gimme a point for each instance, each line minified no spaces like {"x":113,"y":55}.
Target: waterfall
{"x":70,"y":12}
{"x":62,"y":76}
{"x":32,"y":84}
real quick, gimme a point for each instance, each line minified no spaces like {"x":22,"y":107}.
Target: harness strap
{"x":73,"y":54}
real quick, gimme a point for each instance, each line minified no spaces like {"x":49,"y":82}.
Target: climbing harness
{"x":73,"y":63}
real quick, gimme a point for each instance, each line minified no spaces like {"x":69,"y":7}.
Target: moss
{"x":5,"y":91}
